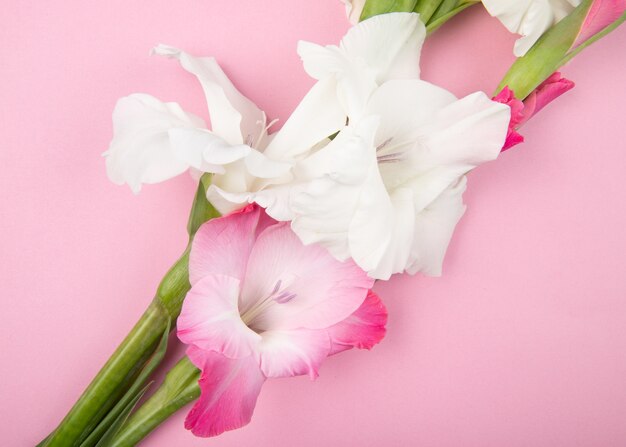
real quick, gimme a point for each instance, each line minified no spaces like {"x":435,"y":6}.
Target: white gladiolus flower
{"x":371,"y":164}
{"x":154,"y":141}
{"x":529,"y":18}
{"x":386,"y":191}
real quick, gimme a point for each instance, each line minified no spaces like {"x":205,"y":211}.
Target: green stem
{"x":433,"y":13}
{"x":129,"y":358}
{"x":439,"y":20}
{"x":110,"y":383}
{"x":178,"y":389}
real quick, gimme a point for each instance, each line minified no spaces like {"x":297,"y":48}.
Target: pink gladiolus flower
{"x":264,"y":305}
{"x":521,"y":112}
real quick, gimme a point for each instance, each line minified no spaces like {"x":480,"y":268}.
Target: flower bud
{"x":548,"y":91}
{"x":590,"y":21}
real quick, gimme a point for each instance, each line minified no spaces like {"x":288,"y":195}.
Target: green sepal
{"x":426,"y":9}
{"x":376,"y":7}
{"x":439,"y":20}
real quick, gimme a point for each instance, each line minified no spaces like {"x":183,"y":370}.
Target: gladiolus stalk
{"x":179,"y":388}
{"x":138,"y":346}
{"x":433,"y":13}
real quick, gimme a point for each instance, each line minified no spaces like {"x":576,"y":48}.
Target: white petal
{"x":233,"y":116}
{"x":378,"y":49}
{"x":382,"y":230}
{"x":434,"y":227}
{"x":260,"y":166}
{"x":318,"y":116}
{"x":141,"y":151}
{"x":404,"y":105}
{"x":337,"y":174}
{"x":355,"y":80}
{"x":467,"y":132}
{"x":226,"y":202}
{"x":388,"y":44}
{"x":530,"y":18}
{"x":204,"y":150}
{"x":441,"y":140}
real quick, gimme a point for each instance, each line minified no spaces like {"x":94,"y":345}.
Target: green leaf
{"x":202,"y":210}
{"x":375,"y":7}
{"x":109,"y":435}
{"x":129,"y":397}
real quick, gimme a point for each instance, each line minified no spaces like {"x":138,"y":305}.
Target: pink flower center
{"x":279,"y":295}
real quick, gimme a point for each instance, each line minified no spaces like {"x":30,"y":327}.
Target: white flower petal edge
{"x":140,"y":151}
{"x":387,"y":190}
{"x":530,"y":18}
{"x":154,"y":141}
{"x":234,"y":117}
{"x":381,"y":48}
{"x":354,"y":8}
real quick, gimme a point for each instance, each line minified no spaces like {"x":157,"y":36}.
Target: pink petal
{"x":601,"y":14}
{"x":210,"y":318}
{"x":300,"y":286}
{"x":229,"y":390}
{"x":548,"y":91}
{"x":506,"y":96}
{"x":363,"y":329}
{"x":223,"y":245}
{"x":293,"y":352}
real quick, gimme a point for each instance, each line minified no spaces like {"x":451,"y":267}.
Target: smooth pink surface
{"x":522,"y":342}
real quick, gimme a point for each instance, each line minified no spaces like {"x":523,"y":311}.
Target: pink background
{"x":522,"y":342}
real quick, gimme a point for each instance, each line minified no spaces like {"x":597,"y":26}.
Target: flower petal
{"x":530,"y":18}
{"x":293,"y":352}
{"x":229,"y":390}
{"x":381,"y":48}
{"x":210,"y":318}
{"x":260,"y":166}
{"x":382,"y":229}
{"x":204,"y":150}
{"x":388,"y":44}
{"x":233,"y":116}
{"x":289,"y":285}
{"x":335,"y":176}
{"x":141,"y":151}
{"x":461,"y":136}
{"x":364,"y":329}
{"x":274,"y":199}
{"x":433,"y":230}
{"x":222,"y":246}
{"x":318,"y":116}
